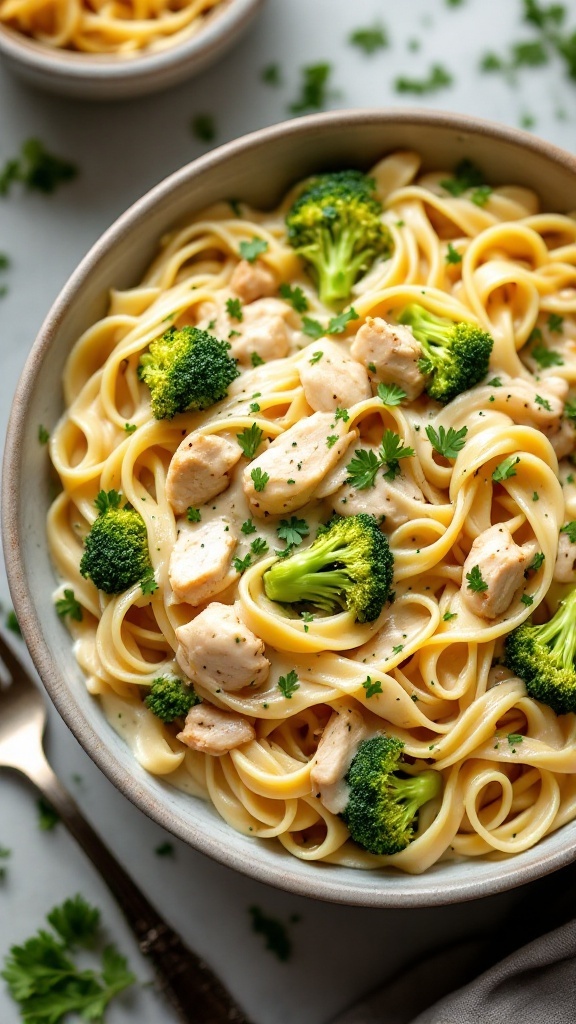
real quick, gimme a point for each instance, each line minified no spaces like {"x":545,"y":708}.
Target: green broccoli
{"x":382,"y":806}
{"x":170,"y":698}
{"x":186,"y":369}
{"x":349,"y":565}
{"x":336,"y":226}
{"x":544,"y":656}
{"x":116,"y":549}
{"x":454,"y":355}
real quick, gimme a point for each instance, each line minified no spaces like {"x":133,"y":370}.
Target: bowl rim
{"x":79,"y":67}
{"x":390,"y":890}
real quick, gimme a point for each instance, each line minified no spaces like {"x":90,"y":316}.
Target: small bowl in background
{"x":259,"y":169}
{"x":118,"y":77}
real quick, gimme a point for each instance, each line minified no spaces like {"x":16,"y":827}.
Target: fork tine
{"x":13,"y":663}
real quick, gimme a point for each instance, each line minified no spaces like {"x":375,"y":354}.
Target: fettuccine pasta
{"x":429,"y":669}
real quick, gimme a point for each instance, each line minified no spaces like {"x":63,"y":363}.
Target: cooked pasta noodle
{"x":443,"y":690}
{"x":121,"y":27}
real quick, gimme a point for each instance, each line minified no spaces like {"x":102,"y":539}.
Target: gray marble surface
{"x":122,"y":150}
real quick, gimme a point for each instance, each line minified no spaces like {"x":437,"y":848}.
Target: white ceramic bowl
{"x":109,"y":77}
{"x":258,"y":168}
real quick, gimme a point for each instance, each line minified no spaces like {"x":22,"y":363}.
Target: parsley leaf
{"x":259,"y":546}
{"x":546,"y":357}
{"x":338,"y":324}
{"x":288,"y":684}
{"x":68,"y":605}
{"x":234,"y":309}
{"x":292,"y":530}
{"x":273,"y":931}
{"x":295,"y":296}
{"x":331,"y":440}
{"x":252,"y":250}
{"x":43,"y":435}
{"x":481,"y":195}
{"x":362,"y":469}
{"x":12,"y":623}
{"x":543,"y":402}
{"x":438,"y":78}
{"x":312,"y":328}
{"x":391,"y":451}
{"x":536,"y":562}
{"x":527,"y":600}
{"x":259,"y":479}
{"x":514,"y":738}
{"x":447,"y":443}
{"x":48,"y":818}
{"x":193,"y":515}
{"x":391,"y":394}
{"x":369,"y":39}
{"x":75,"y":921}
{"x":505,"y":469}
{"x":555,"y":323}
{"x":203,"y":126}
{"x":248,"y":527}
{"x":148,"y":584}
{"x":452,"y":255}
{"x":314,"y":88}
{"x":494,"y":383}
{"x":475,"y":581}
{"x":130,"y":428}
{"x":315,"y":357}
{"x":570,"y":529}
{"x":449,"y":615}
{"x":372,"y":687}
{"x":241,"y":564}
{"x":250,"y":439}
{"x":256,"y":360}
{"x":271,"y":74}
{"x":466,"y":175}
{"x":36,"y":169}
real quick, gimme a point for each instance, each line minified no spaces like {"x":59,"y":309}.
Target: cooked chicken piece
{"x":213,"y":731}
{"x":199,"y":470}
{"x":253,"y":281}
{"x":263,"y":330}
{"x":200,"y":560}
{"x":391,"y":355}
{"x":334,"y":380}
{"x":501,"y":563}
{"x":397,"y":501}
{"x":219,"y":650}
{"x":295,"y":463}
{"x":563,"y":440}
{"x":565,"y":568}
{"x":339,"y":742}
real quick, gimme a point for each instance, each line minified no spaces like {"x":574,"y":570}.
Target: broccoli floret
{"x":349,"y":565}
{"x":455,"y":356}
{"x":116,"y":549}
{"x":336,"y":226}
{"x":186,"y":369}
{"x":545,"y":657}
{"x":170,"y":698}
{"x":382,"y":806}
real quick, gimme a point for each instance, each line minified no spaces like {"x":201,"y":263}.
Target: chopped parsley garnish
{"x":130,"y":428}
{"x":466,"y":175}
{"x":438,"y":78}
{"x":5,"y":853}
{"x":256,"y":360}
{"x":331,"y":440}
{"x":234,"y":309}
{"x":165,"y":850}
{"x":543,"y":402}
{"x":259,"y":479}
{"x":254,"y":407}
{"x":292,"y":530}
{"x":390,"y":394}
{"x":49,"y":985}
{"x":241,"y":564}
{"x":252,"y":250}
{"x":250,"y":439}
{"x":36,"y":169}
{"x":535,"y":496}
{"x":398,"y":648}
{"x":312,"y":328}
{"x":481,"y":195}
{"x":248,"y":527}
{"x":193,"y":515}
{"x":43,"y":435}
{"x":536,"y":562}
{"x":315,"y":357}
{"x":363,"y":468}
{"x":259,"y":546}
{"x":68,"y":605}
{"x":369,"y":39}
{"x":555,"y":323}
{"x":295,"y":296}
{"x":494,"y":383}
{"x":570,"y":529}
{"x":149,"y":584}
{"x":313,"y":89}
{"x":392,"y":449}
{"x":338,"y":324}
{"x":452,"y":255}
{"x":372,"y":687}
{"x":570,"y":413}
{"x":546,"y":357}
{"x":514,"y":738}
{"x":505,"y":469}
{"x":271,"y":74}
{"x":475,"y":581}
{"x":449,"y":615}
{"x":341,"y":414}
{"x":48,"y":818}
{"x":447,"y":442}
{"x":527,"y":600}
{"x":288,"y":684}
{"x":203,"y":126}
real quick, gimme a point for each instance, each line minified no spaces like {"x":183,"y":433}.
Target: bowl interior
{"x":257,"y":169}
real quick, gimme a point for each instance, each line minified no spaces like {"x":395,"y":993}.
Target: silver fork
{"x":196,"y":994}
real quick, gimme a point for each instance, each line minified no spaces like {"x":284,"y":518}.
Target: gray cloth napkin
{"x":536,"y":984}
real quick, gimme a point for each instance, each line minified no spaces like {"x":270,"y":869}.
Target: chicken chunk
{"x":534,"y":403}
{"x":565,"y":568}
{"x":295,"y":463}
{"x":253,"y":281}
{"x":200,"y":561}
{"x":501,"y":564}
{"x":263,"y":331}
{"x":338,"y":745}
{"x":397,"y":501}
{"x":334,"y":380}
{"x":391,"y":354}
{"x":219,"y":650}
{"x":199,"y":470}
{"x":213,"y":731}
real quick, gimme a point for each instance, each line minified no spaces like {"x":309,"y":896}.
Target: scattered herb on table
{"x":48,"y":818}
{"x":438,"y":78}
{"x":273,"y":931}
{"x":203,"y":126}
{"x":314,"y":90}
{"x":36,"y":169}
{"x":369,"y":39}
{"x":271,"y":74}
{"x":12,"y":622}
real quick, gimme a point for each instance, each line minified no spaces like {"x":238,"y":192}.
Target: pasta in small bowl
{"x":315,"y":531}
{"x":109,"y":51}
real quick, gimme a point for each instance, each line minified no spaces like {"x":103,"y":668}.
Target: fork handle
{"x":196,"y":994}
